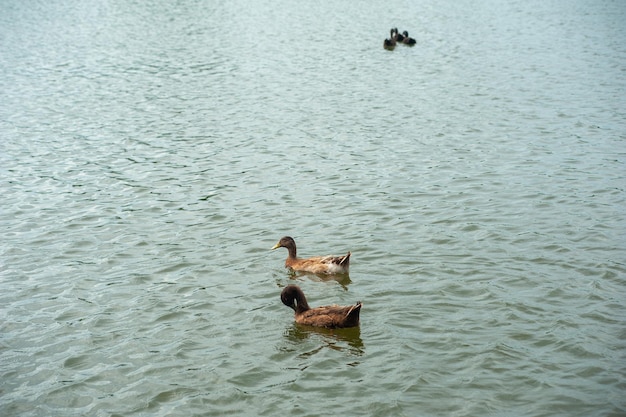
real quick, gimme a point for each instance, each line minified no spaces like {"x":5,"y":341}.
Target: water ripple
{"x":152,"y":154}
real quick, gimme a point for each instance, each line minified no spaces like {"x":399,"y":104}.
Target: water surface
{"x":151,"y":154}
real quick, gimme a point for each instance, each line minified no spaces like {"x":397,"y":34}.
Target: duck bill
{"x":276,"y":246}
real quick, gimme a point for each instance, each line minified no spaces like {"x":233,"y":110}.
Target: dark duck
{"x":331,"y":317}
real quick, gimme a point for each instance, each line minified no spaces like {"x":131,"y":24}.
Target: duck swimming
{"x":407,"y":40}
{"x":398,"y":37}
{"x":327,"y":316}
{"x":318,"y":264}
{"x":391,"y":42}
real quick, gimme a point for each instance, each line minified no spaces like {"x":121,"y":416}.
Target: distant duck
{"x":318,"y":265}
{"x":398,"y":37}
{"x":391,"y":42}
{"x":407,"y":40}
{"x":327,"y":316}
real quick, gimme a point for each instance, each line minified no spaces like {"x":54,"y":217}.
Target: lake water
{"x":151,"y":154}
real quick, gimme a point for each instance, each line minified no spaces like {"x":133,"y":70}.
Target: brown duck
{"x":328,"y":316}
{"x":318,"y":264}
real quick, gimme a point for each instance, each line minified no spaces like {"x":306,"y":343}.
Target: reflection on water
{"x":341,"y":279}
{"x":348,"y":339}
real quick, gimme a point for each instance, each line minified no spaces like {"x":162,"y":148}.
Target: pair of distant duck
{"x":292,"y":296}
{"x":397,"y":37}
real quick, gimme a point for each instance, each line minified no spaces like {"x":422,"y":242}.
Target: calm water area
{"x":152,"y":152}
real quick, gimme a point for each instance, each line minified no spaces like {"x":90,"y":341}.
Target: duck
{"x":331,"y":317}
{"x":389,"y":44}
{"x":318,"y":264}
{"x":407,"y":40}
{"x":398,"y":37}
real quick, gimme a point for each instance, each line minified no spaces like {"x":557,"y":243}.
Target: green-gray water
{"x":151,"y":153}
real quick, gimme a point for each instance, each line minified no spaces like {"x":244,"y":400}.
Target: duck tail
{"x":357,"y":306}
{"x":354,"y":312}
{"x":345,"y":261}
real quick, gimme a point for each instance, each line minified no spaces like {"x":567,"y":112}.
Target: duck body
{"x":331,"y":317}
{"x":318,"y":264}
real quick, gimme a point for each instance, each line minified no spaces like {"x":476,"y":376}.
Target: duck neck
{"x":301,"y":304}
{"x":292,"y":252}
